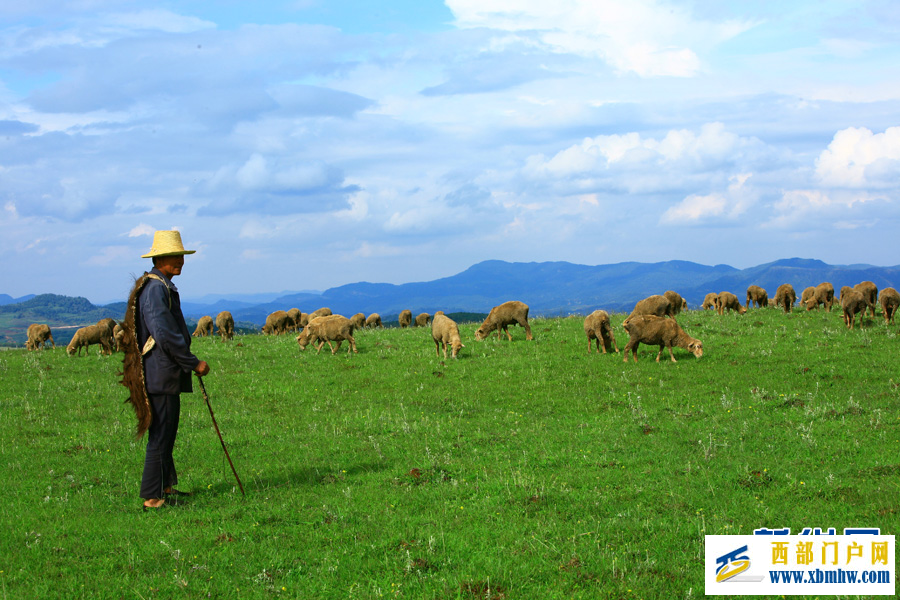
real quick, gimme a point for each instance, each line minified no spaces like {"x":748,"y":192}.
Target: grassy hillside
{"x":521,"y":470}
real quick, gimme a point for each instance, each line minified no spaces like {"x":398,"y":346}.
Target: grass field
{"x":521,"y":470}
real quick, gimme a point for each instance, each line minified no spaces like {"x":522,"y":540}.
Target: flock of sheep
{"x":651,"y":322}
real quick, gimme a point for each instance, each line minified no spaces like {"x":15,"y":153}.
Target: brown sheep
{"x":304,"y":319}
{"x":225,"y":324}
{"x":809,"y":292}
{"x":38,"y":334}
{"x":358,"y":320}
{"x":853,"y":302}
{"x":653,"y":305}
{"x":295,"y":317}
{"x":758,"y":295}
{"x":597,"y":327}
{"x":653,"y":330}
{"x":276,"y":323}
{"x":373,"y":321}
{"x":501,"y":316}
{"x":322,"y":312}
{"x":728,"y":301}
{"x":825,"y":290}
{"x":204,"y":327}
{"x":785,"y":297}
{"x":440,"y":312}
{"x":119,"y":337}
{"x":678,"y":303}
{"x":444,"y":332}
{"x":710,"y":301}
{"x":890,"y":301}
{"x":870,"y":293}
{"x":422,"y":319}
{"x":405,"y":318}
{"x":330,"y":328}
{"x":87,"y":336}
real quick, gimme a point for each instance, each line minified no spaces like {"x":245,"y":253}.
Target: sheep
{"x":653,"y":305}
{"x":304,"y":319}
{"x":444,"y":332}
{"x":322,"y":312}
{"x":225,"y":324}
{"x":825,"y":290}
{"x":710,"y":301}
{"x":758,"y":295}
{"x":373,"y":321}
{"x":358,"y":320}
{"x":597,"y":327}
{"x":653,"y":330}
{"x":809,"y":292}
{"x":91,"y":334}
{"x":678,"y":303}
{"x":422,"y":319}
{"x":440,"y":312}
{"x":295,"y":317}
{"x":119,"y":337}
{"x":405,"y":318}
{"x":785,"y":296}
{"x":853,"y":302}
{"x":821,"y":294}
{"x":204,"y":327}
{"x":38,"y":334}
{"x":869,"y":292}
{"x":728,"y":301}
{"x":890,"y":301}
{"x":330,"y":328}
{"x":502,"y":315}
{"x":276,"y":323}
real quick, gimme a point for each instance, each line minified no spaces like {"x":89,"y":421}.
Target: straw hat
{"x":167,"y":243}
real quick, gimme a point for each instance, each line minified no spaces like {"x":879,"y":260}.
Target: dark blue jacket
{"x":168,"y":366}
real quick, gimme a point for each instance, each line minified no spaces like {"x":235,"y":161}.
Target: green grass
{"x":521,"y":470}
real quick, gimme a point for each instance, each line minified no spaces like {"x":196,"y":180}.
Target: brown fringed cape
{"x":133,"y":365}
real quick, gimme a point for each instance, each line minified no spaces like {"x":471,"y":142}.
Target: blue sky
{"x":306,"y":144}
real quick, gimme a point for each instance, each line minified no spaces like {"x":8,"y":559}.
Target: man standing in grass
{"x":162,"y":340}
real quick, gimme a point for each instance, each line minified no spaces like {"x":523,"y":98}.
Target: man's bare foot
{"x":154,"y":503}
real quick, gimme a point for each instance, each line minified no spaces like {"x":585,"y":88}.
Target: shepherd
{"x":158,"y":363}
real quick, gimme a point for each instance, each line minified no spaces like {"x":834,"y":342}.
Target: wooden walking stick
{"x":216,"y":425}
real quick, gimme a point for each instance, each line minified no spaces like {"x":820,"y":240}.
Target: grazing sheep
{"x":373,"y":321}
{"x":304,"y":319}
{"x":358,"y":320}
{"x":808,"y":293}
{"x":422,"y":319}
{"x":502,"y":315}
{"x":87,"y":336}
{"x":225,"y":323}
{"x":38,"y":334}
{"x":444,"y":332}
{"x":785,"y":296}
{"x":678,"y":303}
{"x":728,"y":301}
{"x":870,"y":293}
{"x":330,"y":328}
{"x":890,"y":301}
{"x":276,"y":323}
{"x":405,"y":318}
{"x":710,"y":301}
{"x":597,"y":327}
{"x":826,"y":291}
{"x":853,"y":302}
{"x":204,"y":327}
{"x":653,"y":305}
{"x":295,"y":317}
{"x":654,"y":330}
{"x":322,"y":312}
{"x":758,"y":295}
{"x":119,"y":337}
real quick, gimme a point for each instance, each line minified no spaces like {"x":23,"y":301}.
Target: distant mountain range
{"x":549,"y":288}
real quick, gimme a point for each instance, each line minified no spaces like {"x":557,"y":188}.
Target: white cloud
{"x":856,"y":157}
{"x":647,"y":37}
{"x":704,"y":208}
{"x":141,"y":230}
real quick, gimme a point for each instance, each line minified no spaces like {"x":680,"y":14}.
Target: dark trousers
{"x":159,"y":467}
